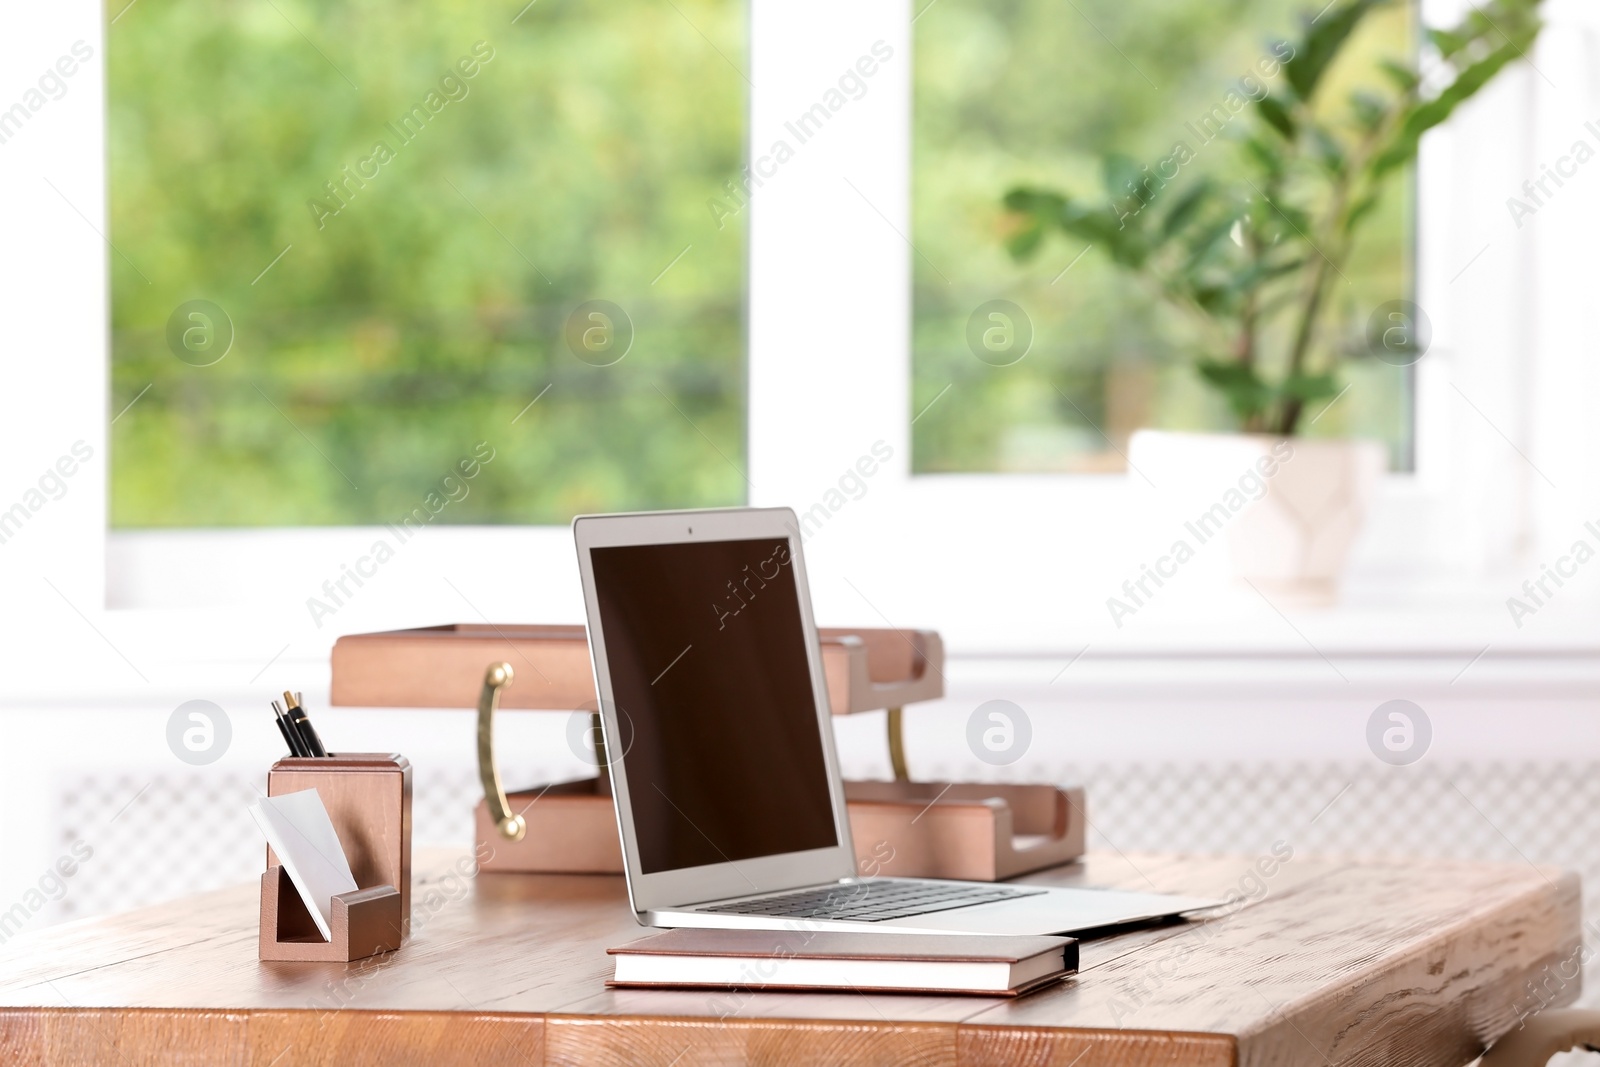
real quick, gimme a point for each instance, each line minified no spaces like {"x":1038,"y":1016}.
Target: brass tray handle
{"x":511,"y":827}
{"x":897,"y":745}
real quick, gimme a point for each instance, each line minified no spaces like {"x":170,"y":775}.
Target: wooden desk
{"x":1336,"y":962}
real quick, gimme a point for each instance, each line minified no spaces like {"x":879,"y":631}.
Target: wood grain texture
{"x":1320,"y":961}
{"x":439,"y":1039}
{"x":1094,"y":1048}
{"x":1363,"y":963}
{"x":89,"y":1037}
{"x":577,"y":1041}
{"x":64,"y":1037}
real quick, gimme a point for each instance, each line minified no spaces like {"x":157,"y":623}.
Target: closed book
{"x":835,"y":959}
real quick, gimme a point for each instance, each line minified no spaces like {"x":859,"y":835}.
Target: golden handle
{"x":897,"y":745}
{"x":496,"y":678}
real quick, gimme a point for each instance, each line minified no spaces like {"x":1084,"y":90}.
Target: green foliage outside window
{"x":399,"y":209}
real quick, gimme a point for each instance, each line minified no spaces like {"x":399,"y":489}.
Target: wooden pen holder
{"x":368,"y":799}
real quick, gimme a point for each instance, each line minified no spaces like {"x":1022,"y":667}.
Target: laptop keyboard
{"x":872,"y":901}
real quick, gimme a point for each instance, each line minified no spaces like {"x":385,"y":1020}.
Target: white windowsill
{"x":1446,"y":639}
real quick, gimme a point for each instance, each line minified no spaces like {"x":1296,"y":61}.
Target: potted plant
{"x":1254,"y":255}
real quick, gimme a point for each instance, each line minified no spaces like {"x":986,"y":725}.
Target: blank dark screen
{"x":719,"y":732}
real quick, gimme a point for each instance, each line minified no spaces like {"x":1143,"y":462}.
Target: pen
{"x":291,"y":737}
{"x":308,"y":734}
{"x":283,"y":728}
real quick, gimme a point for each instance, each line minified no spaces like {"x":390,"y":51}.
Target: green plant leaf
{"x":1025,"y":241}
{"x":1203,"y":242}
{"x":1448,"y":42}
{"x":1360,"y":210}
{"x":1261,"y":272}
{"x":1219,"y":300}
{"x":1326,"y":149}
{"x":1266,"y":155}
{"x":1184,"y":208}
{"x":1276,"y":114}
{"x":1120,"y":174}
{"x":1404,"y":78}
{"x":1308,"y":387}
{"x":1323,"y":39}
{"x":1286,"y":220}
{"x":1369,"y":110}
{"x":1120,"y":234}
{"x":1247,"y":395}
{"x":1033,"y":213}
{"x":1426,"y":115}
{"x":1025,"y":201}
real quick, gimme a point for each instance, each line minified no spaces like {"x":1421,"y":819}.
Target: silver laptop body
{"x":717,"y":728}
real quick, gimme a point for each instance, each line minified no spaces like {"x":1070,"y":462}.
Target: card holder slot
{"x":364,"y":923}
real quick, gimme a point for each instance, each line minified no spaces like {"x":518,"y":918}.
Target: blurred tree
{"x":399,"y":245}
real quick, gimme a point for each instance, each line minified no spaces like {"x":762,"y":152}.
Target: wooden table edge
{"x":69,"y":1036}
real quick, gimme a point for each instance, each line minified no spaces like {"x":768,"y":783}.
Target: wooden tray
{"x":572,"y":829}
{"x":442,"y":667}
{"x":979,"y":832}
{"x":982,"y":832}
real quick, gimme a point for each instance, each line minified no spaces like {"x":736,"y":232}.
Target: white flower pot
{"x":1289,"y":509}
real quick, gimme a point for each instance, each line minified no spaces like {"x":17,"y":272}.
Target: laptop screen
{"x":706,"y":650}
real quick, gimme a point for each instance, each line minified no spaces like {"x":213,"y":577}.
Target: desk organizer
{"x":442,"y":666}
{"x":368,"y":798}
{"x":979,"y":831}
{"x":982,"y":832}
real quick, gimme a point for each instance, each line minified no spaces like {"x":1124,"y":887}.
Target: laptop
{"x":720,"y":745}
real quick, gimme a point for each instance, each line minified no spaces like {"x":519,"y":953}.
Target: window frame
{"x":995,"y":561}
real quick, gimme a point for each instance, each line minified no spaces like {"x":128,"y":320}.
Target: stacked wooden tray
{"x":441,"y":666}
{"x":924,"y":829}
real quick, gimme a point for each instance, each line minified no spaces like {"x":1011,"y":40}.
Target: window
{"x":362,"y":250}
{"x":1035,"y":92}
{"x":830,"y":370}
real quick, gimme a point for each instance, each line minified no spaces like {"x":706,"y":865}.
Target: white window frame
{"x":1016,"y":563}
